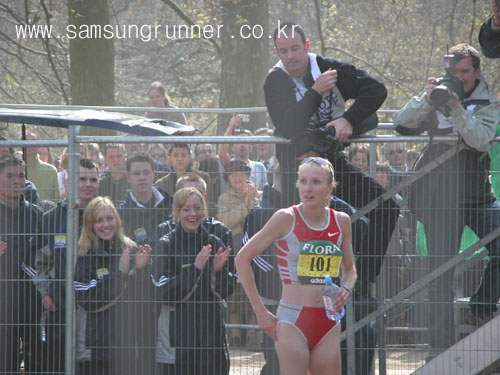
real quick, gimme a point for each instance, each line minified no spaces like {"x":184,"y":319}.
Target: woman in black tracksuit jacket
{"x":194,"y":275}
{"x":109,"y":266}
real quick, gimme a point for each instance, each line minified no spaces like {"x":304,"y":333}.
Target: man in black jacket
{"x":145,"y":207}
{"x":302,"y":88}
{"x":20,"y":306}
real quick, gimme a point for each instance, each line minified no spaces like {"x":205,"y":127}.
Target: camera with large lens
{"x":322,"y":139}
{"x":441,"y":94}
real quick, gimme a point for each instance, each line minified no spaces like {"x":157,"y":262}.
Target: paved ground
{"x":246,"y":362}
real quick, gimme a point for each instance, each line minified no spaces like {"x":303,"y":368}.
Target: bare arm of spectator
{"x":224,"y":147}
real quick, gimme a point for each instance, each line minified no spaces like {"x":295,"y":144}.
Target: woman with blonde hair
{"x":312,"y":241}
{"x":195,"y":274}
{"x":109,"y":264}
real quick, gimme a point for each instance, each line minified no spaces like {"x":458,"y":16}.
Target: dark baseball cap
{"x":237,"y":166}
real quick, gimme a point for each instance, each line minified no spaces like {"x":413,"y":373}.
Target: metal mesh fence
{"x":147,"y":302}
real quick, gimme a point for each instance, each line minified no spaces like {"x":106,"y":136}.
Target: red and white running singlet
{"x":305,"y":255}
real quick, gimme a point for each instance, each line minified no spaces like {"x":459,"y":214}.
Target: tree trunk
{"x":245,"y":61}
{"x":92,"y":76}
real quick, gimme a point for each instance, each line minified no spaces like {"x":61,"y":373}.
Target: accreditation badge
{"x":60,"y":240}
{"x":140,"y":234}
{"x":101,"y":272}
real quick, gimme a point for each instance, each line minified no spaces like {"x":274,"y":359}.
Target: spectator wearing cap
{"x":258,"y":173}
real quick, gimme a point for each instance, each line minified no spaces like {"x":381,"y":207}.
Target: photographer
{"x":489,"y":35}
{"x":457,"y":192}
{"x":305,"y":88}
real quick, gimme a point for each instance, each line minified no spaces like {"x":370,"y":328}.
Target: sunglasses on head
{"x":319,"y":161}
{"x":315,"y":160}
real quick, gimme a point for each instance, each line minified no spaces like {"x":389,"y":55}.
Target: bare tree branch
{"x":19,"y":45}
{"x":318,"y":24}
{"x":49,"y":55}
{"x":190,"y":21}
{"x":451,"y":19}
{"x":374,"y":67}
{"x":472,"y":26}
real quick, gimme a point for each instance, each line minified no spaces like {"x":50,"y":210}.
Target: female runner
{"x":312,"y":240}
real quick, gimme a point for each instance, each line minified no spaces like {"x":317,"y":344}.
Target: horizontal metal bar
{"x":152,"y":109}
{"x":181,"y":139}
{"x":256,"y":139}
{"x":136,"y":109}
{"x":406,"y":329}
{"x":215,"y":139}
{"x":19,"y":143}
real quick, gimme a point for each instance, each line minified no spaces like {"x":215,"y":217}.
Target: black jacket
{"x":489,"y":40}
{"x":107,"y":296}
{"x":291,"y":117}
{"x":116,"y":190}
{"x":141,"y":223}
{"x":51,"y":262}
{"x":20,"y":228}
{"x":195,"y":323}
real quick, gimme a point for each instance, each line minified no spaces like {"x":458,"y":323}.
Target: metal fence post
{"x":72,"y":239}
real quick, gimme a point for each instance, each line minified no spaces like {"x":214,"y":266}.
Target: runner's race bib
{"x":317,"y":259}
